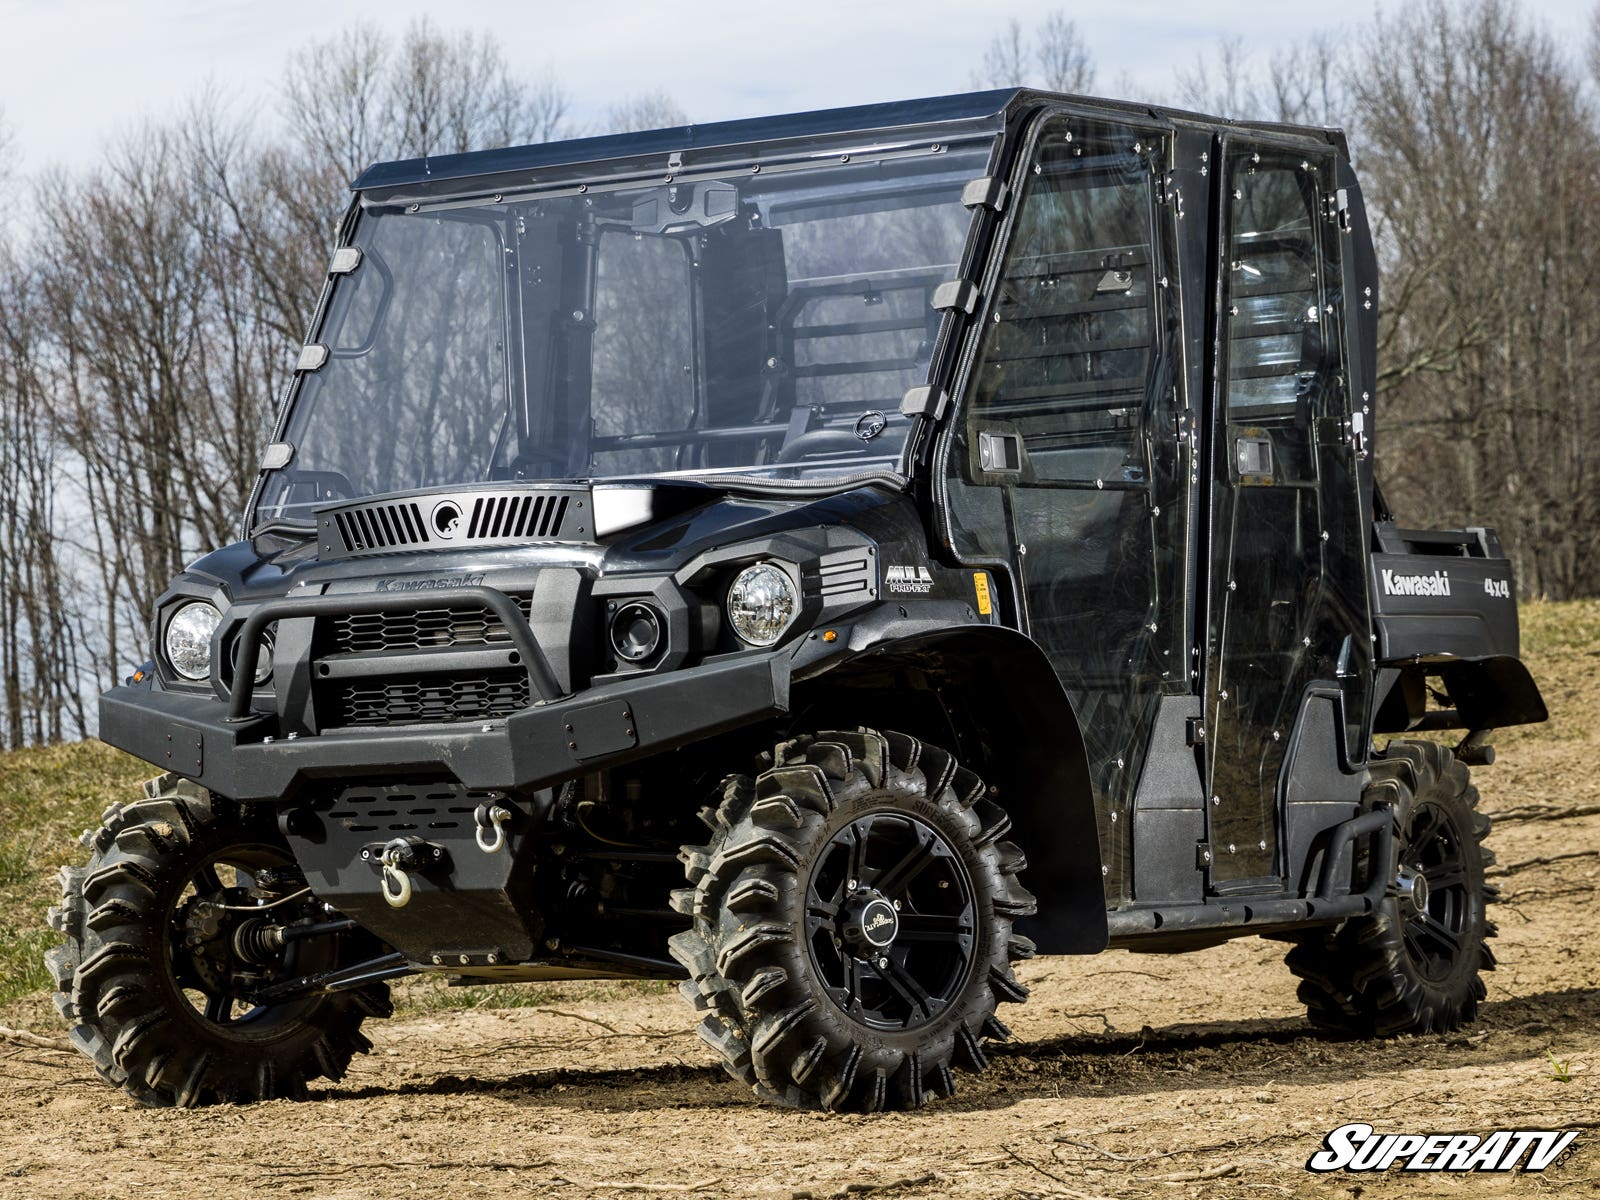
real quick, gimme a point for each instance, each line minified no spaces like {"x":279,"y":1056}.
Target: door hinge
{"x":1194,"y":731}
{"x":1339,"y":209}
{"x":1202,"y":854}
{"x":1170,"y":193}
{"x":957,"y":295}
{"x":924,"y":401}
{"x":1355,"y":427}
{"x":989,"y":192}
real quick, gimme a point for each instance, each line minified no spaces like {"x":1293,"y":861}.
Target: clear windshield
{"x":758,"y":324}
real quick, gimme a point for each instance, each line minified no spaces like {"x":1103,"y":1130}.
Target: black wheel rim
{"x":205,"y":971}
{"x":1436,"y":931}
{"x":891,"y":921}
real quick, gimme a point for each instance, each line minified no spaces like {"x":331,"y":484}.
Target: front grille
{"x":473,"y":696}
{"x":425,"y":628}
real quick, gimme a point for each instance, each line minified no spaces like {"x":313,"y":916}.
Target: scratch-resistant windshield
{"x":760,"y":324}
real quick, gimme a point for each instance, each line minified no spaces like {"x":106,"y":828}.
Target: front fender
{"x":1013,"y":724}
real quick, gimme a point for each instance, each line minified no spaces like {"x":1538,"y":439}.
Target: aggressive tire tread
{"x":773,"y":1034}
{"x":126,"y":1011}
{"x":1358,"y":978}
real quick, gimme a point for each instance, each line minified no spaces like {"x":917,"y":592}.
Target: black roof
{"x":978,"y":108}
{"x":965,"y":113}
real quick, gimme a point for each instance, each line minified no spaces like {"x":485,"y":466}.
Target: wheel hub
{"x":870,"y":922}
{"x":1412,"y":885}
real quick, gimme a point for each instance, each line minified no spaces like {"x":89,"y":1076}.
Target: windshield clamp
{"x":955,"y":295}
{"x":345,"y":260}
{"x":277,"y":455}
{"x":989,"y":191}
{"x":312,"y":356}
{"x":927,"y":402}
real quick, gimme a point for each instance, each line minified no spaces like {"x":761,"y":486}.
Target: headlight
{"x":762,"y":603}
{"x":188,"y":640}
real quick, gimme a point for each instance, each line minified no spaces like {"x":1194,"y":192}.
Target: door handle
{"x":999,"y":451}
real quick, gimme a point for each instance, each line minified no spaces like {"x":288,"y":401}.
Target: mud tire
{"x":1397,"y":970}
{"x":768,"y":1010}
{"x":116,"y":985}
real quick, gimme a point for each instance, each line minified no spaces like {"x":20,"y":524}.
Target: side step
{"x":1128,"y":926}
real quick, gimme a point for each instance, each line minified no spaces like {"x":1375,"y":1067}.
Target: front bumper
{"x":534,"y":747}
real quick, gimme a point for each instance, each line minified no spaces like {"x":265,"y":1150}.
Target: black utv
{"x":824,"y":559}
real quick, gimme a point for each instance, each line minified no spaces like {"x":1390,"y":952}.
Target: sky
{"x":75,"y":73}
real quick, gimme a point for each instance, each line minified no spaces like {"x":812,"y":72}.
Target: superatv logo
{"x":1437,"y":584}
{"x":1358,"y":1147}
{"x":908,"y":579}
{"x":428,"y":585}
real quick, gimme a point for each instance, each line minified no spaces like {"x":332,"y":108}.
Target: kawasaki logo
{"x":908,"y":579}
{"x":1437,"y":584}
{"x":428,"y":585}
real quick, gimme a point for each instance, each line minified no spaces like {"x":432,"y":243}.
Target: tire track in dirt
{"x":1193,"y":1075}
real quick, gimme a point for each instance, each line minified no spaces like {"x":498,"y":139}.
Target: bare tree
{"x":1053,"y":56}
{"x":1303,"y":83}
{"x":1482,"y":162}
{"x":644,"y":110}
{"x":41,"y":628}
{"x":358,"y":96}
{"x":1307,"y":82}
{"x":1221,"y":82}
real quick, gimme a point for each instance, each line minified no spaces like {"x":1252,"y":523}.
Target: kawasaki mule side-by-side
{"x":825,"y":559}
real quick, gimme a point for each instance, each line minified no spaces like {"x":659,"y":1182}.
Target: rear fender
{"x":1007,"y":717}
{"x":1487,"y":693}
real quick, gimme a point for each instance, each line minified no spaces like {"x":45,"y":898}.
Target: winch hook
{"x":393,"y":870}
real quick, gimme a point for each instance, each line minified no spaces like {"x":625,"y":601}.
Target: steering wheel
{"x":525,"y":459}
{"x":819,"y":441}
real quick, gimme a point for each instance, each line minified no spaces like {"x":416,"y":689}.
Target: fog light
{"x":635,"y":632}
{"x":263,"y":656}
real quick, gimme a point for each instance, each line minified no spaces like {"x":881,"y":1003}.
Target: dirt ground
{"x":1129,"y":1076}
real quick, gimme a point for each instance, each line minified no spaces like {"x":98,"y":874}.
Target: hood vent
{"x":445,"y":520}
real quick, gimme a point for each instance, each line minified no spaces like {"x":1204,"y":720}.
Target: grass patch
{"x":1560,"y":631}
{"x":48,"y":796}
{"x":16,"y":862}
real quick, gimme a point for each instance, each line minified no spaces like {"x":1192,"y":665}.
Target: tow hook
{"x":491,"y":821}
